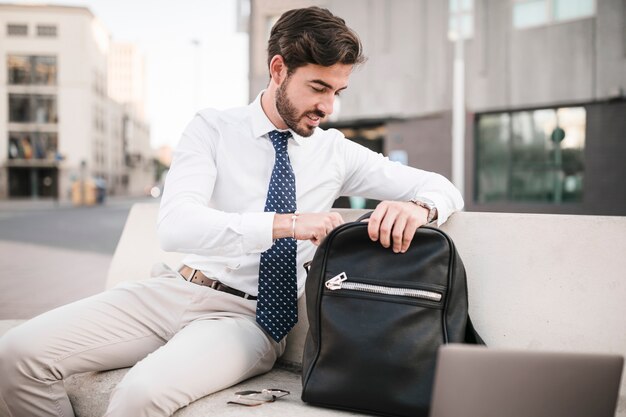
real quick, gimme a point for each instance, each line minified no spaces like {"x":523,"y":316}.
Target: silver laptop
{"x":473,"y":381}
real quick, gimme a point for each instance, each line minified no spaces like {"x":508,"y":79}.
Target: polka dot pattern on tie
{"x":277,"y":304}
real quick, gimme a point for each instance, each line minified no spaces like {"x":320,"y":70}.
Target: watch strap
{"x":432,"y":210}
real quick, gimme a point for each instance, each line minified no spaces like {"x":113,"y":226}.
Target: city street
{"x":53,"y":254}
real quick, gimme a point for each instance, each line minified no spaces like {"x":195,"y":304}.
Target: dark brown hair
{"x":313,"y":36}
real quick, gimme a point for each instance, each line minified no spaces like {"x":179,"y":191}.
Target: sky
{"x":180,"y":77}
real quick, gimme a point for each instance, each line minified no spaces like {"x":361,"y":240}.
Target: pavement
{"x":54,"y":253}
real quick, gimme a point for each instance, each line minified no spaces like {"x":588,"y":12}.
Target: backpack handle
{"x":364,"y":217}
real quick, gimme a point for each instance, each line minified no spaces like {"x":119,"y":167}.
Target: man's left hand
{"x":395,"y":222}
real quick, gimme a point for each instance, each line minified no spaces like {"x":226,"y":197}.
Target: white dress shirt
{"x":215,"y":191}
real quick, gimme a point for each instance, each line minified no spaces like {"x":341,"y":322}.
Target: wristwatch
{"x":432,"y":210}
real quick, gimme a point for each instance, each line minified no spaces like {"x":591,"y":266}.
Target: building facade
{"x":544,"y":94}
{"x":126,"y":69}
{"x":58,"y":123}
{"x":126,"y":85}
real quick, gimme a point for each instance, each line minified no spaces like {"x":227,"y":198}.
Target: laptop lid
{"x":472,"y":381}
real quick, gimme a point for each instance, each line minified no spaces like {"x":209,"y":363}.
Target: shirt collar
{"x":261,"y":124}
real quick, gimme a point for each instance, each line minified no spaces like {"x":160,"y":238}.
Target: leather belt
{"x":197,"y":277}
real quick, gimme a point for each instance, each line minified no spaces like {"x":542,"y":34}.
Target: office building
{"x":58,"y":123}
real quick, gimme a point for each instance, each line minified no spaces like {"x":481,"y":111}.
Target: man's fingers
{"x":399,"y":229}
{"x":386,"y":227}
{"x":373,"y":226}
{"x":331,"y":221}
{"x":409,"y":232}
{"x":394,"y":223}
{"x":316,"y":226}
{"x":390,"y":223}
{"x":337,"y":219}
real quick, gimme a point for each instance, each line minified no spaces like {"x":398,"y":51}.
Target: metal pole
{"x":458,"y":112}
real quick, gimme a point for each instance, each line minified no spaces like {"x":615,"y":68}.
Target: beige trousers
{"x":184,"y":340}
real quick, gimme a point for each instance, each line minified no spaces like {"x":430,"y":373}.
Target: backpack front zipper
{"x":339,"y":282}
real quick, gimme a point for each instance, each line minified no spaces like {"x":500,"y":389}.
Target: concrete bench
{"x":542,"y":282}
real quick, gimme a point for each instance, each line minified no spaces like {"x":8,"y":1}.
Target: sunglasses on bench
{"x":254,"y":398}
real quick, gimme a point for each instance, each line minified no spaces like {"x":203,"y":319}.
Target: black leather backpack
{"x":377,"y":318}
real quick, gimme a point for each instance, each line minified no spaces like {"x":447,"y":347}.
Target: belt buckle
{"x":191,"y":276}
{"x":215,"y":284}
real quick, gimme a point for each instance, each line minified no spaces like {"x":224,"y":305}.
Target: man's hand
{"x":396,"y":221}
{"x":309,"y":226}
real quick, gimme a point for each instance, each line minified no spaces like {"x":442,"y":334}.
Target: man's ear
{"x":278,"y":69}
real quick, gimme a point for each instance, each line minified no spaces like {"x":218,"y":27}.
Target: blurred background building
{"x":71,"y":105}
{"x":520,"y":102}
{"x":541,"y":94}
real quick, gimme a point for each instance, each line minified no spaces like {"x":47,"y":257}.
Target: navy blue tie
{"x":277,"y":304}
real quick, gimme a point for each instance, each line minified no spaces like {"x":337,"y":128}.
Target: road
{"x":54,"y":254}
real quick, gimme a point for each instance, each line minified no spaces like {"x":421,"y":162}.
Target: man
{"x":247,"y":197}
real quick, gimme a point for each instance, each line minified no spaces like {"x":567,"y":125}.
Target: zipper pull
{"x":335,"y":282}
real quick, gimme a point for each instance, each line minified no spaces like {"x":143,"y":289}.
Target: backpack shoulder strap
{"x":471,"y":335}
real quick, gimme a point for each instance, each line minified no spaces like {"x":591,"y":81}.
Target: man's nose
{"x":326,"y":104}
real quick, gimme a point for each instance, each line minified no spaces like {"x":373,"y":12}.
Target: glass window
{"x":15,"y":150}
{"x":573,"y":9}
{"x":45,"y":109}
{"x":39,"y":70}
{"x":17,"y":29}
{"x":530,"y":13}
{"x":32,"y":145}
{"x":531,"y":172}
{"x":19,"y":108}
{"x":44,"y":70}
{"x":19,"y":69}
{"x":24,"y":108}
{"x":493,"y":157}
{"x":466,"y":29}
{"x":457,"y":6}
{"x":47,"y":31}
{"x":531,"y":156}
{"x":461,"y":19}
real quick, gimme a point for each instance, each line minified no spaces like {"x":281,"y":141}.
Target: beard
{"x":287,"y":111}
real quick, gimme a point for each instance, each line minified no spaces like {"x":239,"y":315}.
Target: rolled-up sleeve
{"x":371,"y":175}
{"x":186,"y":221}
